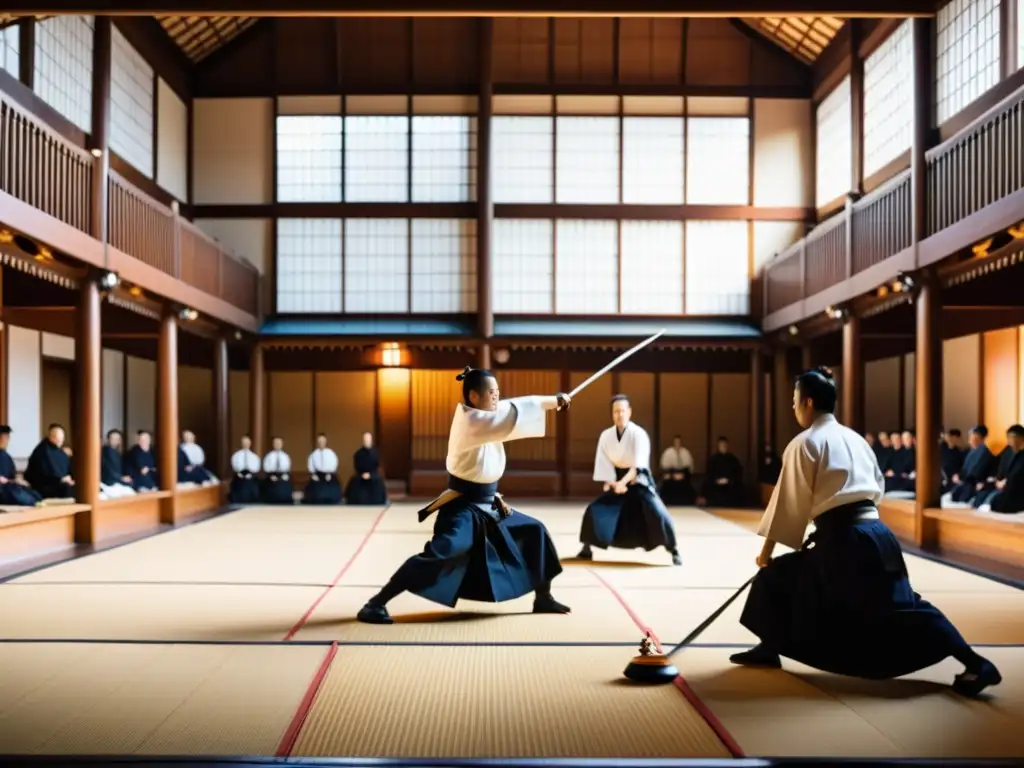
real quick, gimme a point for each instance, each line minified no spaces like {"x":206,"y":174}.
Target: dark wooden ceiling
{"x":803,"y":37}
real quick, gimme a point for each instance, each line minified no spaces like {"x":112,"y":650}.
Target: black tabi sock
{"x":387,"y":594}
{"x":543,"y":591}
{"x":969,"y":658}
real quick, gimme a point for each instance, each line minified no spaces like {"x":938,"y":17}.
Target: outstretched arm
{"x":514,"y":419}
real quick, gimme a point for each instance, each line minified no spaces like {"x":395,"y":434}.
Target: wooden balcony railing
{"x":982,"y":164}
{"x":44,"y":170}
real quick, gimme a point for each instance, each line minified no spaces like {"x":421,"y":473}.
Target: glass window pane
{"x":523,"y":266}
{"x":309,"y":159}
{"x":652,"y":267}
{"x":652,"y":164}
{"x":443,"y":265}
{"x":587,"y":157}
{"x":377,"y":159}
{"x":717,"y":268}
{"x":888,"y":100}
{"x":309,"y":270}
{"x":834,"y":150}
{"x":718,"y":161}
{"x":376,"y":265}
{"x":443,"y":159}
{"x":522,"y":157}
{"x":587,"y":276}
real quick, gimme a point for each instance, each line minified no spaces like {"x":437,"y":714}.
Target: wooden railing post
{"x":100,"y":134}
{"x":176,"y":229}
{"x":921,"y":38}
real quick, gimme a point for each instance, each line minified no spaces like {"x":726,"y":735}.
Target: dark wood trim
{"x":485,"y":201}
{"x":149,"y":39}
{"x":190,"y":150}
{"x":156,"y":128}
{"x":891,"y":169}
{"x":27,"y":51}
{"x":874,"y":32}
{"x":856,"y":109}
{"x":102,"y":63}
{"x":979,"y":110}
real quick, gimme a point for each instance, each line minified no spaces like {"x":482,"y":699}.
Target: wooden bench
{"x":27,"y":532}
{"x":988,"y":535}
{"x":898,"y":515}
{"x":187,"y":503}
{"x":128,"y":515}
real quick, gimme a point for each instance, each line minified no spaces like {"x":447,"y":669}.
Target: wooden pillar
{"x":852,"y":390}
{"x":921,"y":135}
{"x":257,"y":401}
{"x":562,"y":436}
{"x":782,"y":399}
{"x":485,"y":204}
{"x":100,"y":134}
{"x":856,"y":110}
{"x":928,"y":401}
{"x":27,"y":51}
{"x":167,"y":438}
{"x":756,"y":413}
{"x":89,"y":405}
{"x":806,"y":357}
{"x":483,"y":356}
{"x":221,"y":415}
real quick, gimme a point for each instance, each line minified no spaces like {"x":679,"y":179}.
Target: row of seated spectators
{"x":722,"y":485}
{"x":269,"y":480}
{"x":972,"y":476}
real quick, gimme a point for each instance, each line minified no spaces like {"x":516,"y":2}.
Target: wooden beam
{"x":257,"y":401}
{"x":88,"y":413}
{"x":167,"y":412}
{"x":100,"y":133}
{"x":221,"y":411}
{"x":485,"y":202}
{"x":852,"y":390}
{"x":543,"y":8}
{"x":856,"y":113}
{"x":27,"y":51}
{"x":921,"y":31}
{"x":928,"y":402}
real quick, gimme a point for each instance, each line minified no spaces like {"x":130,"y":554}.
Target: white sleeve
{"x":515,"y":419}
{"x":200,"y":457}
{"x":266,"y":463}
{"x":641,"y":449}
{"x":253,"y":461}
{"x":604,"y":470}
{"x":789,"y":510}
{"x":666,"y":459}
{"x":310,"y":466}
{"x":687,"y":459}
{"x":284,"y":462}
{"x":330,"y":461}
{"x":238,"y":461}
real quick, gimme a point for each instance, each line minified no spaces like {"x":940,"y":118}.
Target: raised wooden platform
{"x":187,"y":503}
{"x":988,"y":535}
{"x":30,"y":531}
{"x":132,"y":514}
{"x":898,"y":514}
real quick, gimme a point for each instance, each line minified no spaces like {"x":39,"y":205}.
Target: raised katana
{"x":624,"y":356}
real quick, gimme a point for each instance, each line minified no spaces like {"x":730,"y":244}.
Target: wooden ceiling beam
{"x":518,"y":8}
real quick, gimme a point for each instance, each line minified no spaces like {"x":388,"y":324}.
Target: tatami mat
{"x":597,"y":617}
{"x":151,"y":699}
{"x":151,"y":612}
{"x":800,"y":712}
{"x":497,"y":702}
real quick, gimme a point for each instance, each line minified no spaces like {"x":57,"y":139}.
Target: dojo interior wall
{"x":40,"y":379}
{"x":982,"y":383}
{"x":410,"y":411}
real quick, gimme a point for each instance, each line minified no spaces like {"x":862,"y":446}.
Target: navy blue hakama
{"x":322,"y":489}
{"x":843,"y":603}
{"x":477,"y":553}
{"x":244,"y":489}
{"x":370,"y":492}
{"x":277,"y":489}
{"x":678,"y":493}
{"x":636,"y":519}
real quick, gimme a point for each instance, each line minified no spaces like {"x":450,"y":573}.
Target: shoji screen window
{"x":309,"y":265}
{"x":888,"y":100}
{"x":309,"y":158}
{"x":652,"y":162}
{"x":376,"y":159}
{"x":967,"y":48}
{"x":443,"y":159}
{"x":523,"y":158}
{"x":10,"y":59}
{"x":834,"y":150}
{"x":718,"y":160}
{"x":443,"y":265}
{"x":652,"y":267}
{"x":63,"y":66}
{"x":587,"y":160}
{"x":131,"y":105}
{"x":523,"y":266}
{"x":377,"y":265}
{"x":587,"y":267}
{"x":717,"y":268}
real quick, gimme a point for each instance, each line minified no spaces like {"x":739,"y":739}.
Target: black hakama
{"x":244,"y":489}
{"x":723,"y":466}
{"x":902,"y":463}
{"x":978,"y":466}
{"x":476,"y":553}
{"x":1011,"y":498}
{"x":278,"y":489}
{"x":48,"y":465}
{"x":13,"y":493}
{"x":677,"y":493}
{"x":366,"y":491}
{"x":636,"y":519}
{"x":141,"y":468}
{"x":189,"y":473}
{"x":843,"y":603}
{"x":323,"y":488}
{"x":952,"y":463}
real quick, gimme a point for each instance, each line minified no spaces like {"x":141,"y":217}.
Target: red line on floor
{"x":291,"y":735}
{"x":691,"y":696}
{"x":334,"y":582}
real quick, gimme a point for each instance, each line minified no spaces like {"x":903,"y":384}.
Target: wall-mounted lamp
{"x":391,"y":355}
{"x":109,"y":281}
{"x":835,"y":313}
{"x":902,"y":284}
{"x":238,"y":335}
{"x":188,"y":315}
{"x":97,"y":152}
{"x":793,"y":330}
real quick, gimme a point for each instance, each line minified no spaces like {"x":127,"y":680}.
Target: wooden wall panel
{"x":141,"y":397}
{"x":394,"y":401}
{"x":584,"y":50}
{"x":195,"y":405}
{"x":232,"y":151}
{"x":882,"y":395}
{"x":684,"y":412}
{"x":1001,"y":372}
{"x":961,"y":382}
{"x":909,"y":391}
{"x":290,"y":416}
{"x":55,"y":397}
{"x":375,"y":51}
{"x":24,"y":389}
{"x":523,"y":453}
{"x":650,"y":51}
{"x":730,"y":414}
{"x":113,"y":395}
{"x":345,"y":406}
{"x":238,"y":408}
{"x":445,"y":51}
{"x":589,"y":416}
{"x":434,"y":397}
{"x":716,"y":53}
{"x":521,"y":50}
{"x":639,"y":387}
{"x":316,"y":68}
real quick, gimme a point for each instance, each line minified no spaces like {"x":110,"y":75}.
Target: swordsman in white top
{"x":629,"y":514}
{"x":277,"y":465}
{"x":842,"y":602}
{"x":323,"y":486}
{"x":676,"y":488}
{"x":481,"y":549}
{"x":245,"y":464}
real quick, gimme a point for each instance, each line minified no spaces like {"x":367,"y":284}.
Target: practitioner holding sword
{"x":481,"y":548}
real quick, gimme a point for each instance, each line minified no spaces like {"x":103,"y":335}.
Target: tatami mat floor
{"x":236,"y":636}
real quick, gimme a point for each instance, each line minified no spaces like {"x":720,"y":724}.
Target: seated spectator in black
{"x":1008,"y":494}
{"x":49,"y":467}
